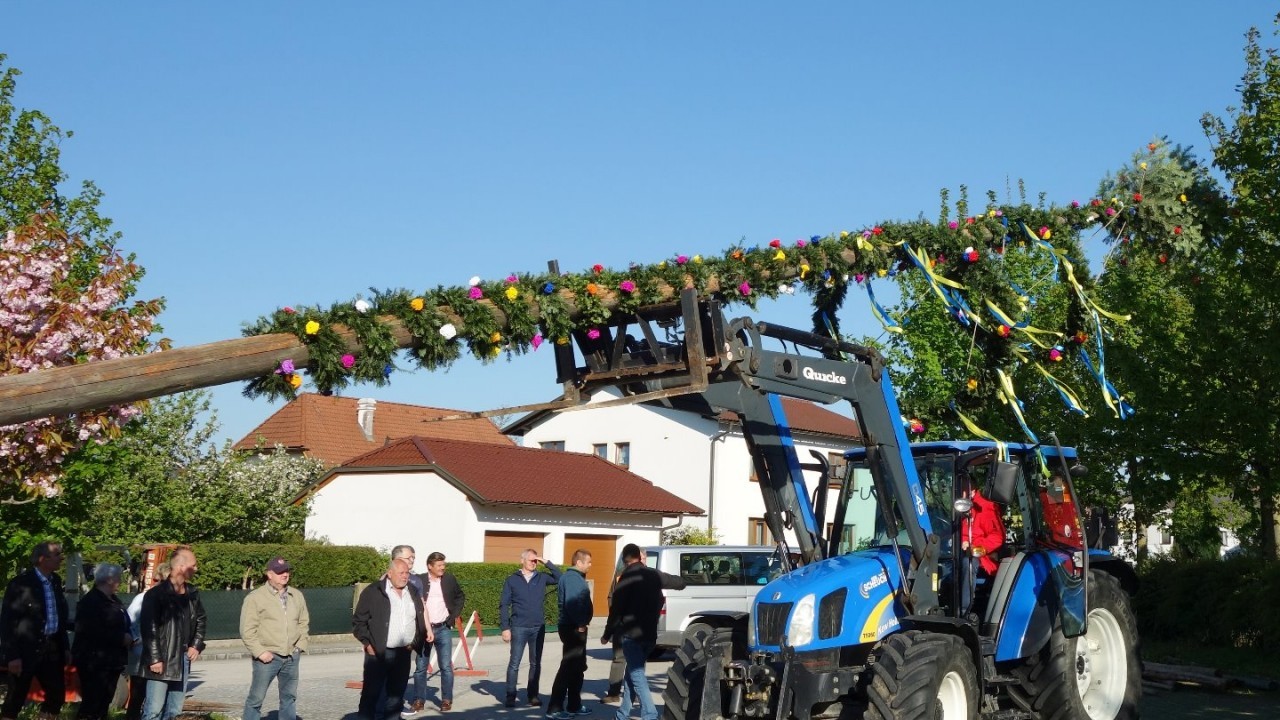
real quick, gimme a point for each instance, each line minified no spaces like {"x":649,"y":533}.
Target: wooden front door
{"x":604,"y":553}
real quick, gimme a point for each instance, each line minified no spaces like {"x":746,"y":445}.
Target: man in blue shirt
{"x":575,"y":615}
{"x":522,"y":621}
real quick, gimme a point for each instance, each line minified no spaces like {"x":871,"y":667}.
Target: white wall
{"x":673,"y":450}
{"x":424,"y":510}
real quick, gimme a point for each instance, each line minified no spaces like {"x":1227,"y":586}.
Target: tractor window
{"x":861,"y":522}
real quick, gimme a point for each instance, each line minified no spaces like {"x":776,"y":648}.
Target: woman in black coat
{"x":101,"y":647}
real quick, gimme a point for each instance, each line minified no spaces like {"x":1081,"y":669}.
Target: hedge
{"x":482,"y":582}
{"x":230,"y":566}
{"x":1223,"y":603}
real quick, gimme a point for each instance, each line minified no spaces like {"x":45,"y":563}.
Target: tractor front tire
{"x":701,"y":643}
{"x":922,"y":676}
{"x":1096,"y":676}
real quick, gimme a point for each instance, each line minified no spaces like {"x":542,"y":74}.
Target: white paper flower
{"x":448,"y":331}
{"x":362,"y":305}
{"x":474,"y":281}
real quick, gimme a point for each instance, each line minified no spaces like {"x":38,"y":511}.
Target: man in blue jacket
{"x":522,"y":621}
{"x":575,"y":615}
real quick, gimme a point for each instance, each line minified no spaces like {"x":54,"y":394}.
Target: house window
{"x":836,"y":459}
{"x":600,"y":450}
{"x":622,"y":454}
{"x":758,"y":532}
{"x":552,"y":445}
{"x":1166,"y":538}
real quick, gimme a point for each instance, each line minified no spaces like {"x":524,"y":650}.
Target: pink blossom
{"x":593,"y":333}
{"x":475,"y":292}
{"x":745,"y":288}
{"x":627,"y":286}
{"x":348,"y":361}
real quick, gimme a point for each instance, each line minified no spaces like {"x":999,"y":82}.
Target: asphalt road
{"x":220,"y":685}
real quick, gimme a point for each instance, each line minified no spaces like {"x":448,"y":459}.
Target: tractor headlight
{"x":800,"y":629}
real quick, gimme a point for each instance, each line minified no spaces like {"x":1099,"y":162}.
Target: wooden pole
{"x":75,"y":388}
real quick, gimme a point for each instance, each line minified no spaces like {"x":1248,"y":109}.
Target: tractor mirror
{"x":963,"y":506}
{"x":1078,"y":471}
{"x":1004,"y":482}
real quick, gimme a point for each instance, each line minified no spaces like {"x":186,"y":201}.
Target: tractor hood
{"x":853,"y":602}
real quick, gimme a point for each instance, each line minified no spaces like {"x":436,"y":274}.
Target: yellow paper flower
{"x":697,"y":259}
{"x":295,"y":381}
{"x":495,"y":337}
{"x":972,"y":384}
{"x":1142,"y":165}
{"x":882,"y":272}
{"x":417,"y":304}
{"x":1182,"y":197}
{"x":662,"y":264}
{"x":1047,"y":234}
{"x":494,"y":352}
{"x":804,"y":269}
{"x":562,"y":340}
{"x":779,"y":255}
{"x":844,"y":234}
{"x":991,"y":213}
{"x":313,"y":327}
{"x":512,"y":292}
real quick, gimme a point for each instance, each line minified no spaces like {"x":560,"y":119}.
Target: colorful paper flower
{"x":495,"y":337}
{"x":312,"y":327}
{"x":348,"y":361}
{"x":1111,"y":211}
{"x":593,"y":334}
{"x":1142,"y":165}
{"x":295,"y":381}
{"x":737,"y":254}
{"x":1003,"y":331}
{"x":417,"y":304}
{"x":801,"y":243}
{"x":744,"y":288}
{"x":548,"y":288}
{"x":476,"y":293}
{"x":953,"y":225}
{"x":775,"y":243}
{"x":289,"y":311}
{"x":1177,"y":230}
{"x":536,"y":341}
{"x":362,"y":306}
{"x":780,"y":255}
{"x":512,"y":279}
{"x":877,"y":230}
{"x":697,"y":259}
{"x":286,"y":367}
{"x":972,"y":384}
{"x":448,"y":331}
{"x":881,"y":272}
{"x":859,"y":278}
{"x":562,"y":340}
{"x":1182,"y":197}
{"x":474,"y":281}
{"x":1080,"y":337}
{"x":597,"y":268}
{"x":682,"y":259}
{"x":970,"y":255}
{"x":627,"y":286}
{"x":804,"y":270}
{"x":1056,"y":354}
{"x":1075,"y":203}
{"x":1045,"y":232}
{"x":512,"y":292}
{"x":593,"y":289}
{"x":917,"y":426}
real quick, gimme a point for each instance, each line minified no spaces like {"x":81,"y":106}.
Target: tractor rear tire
{"x":701,"y":644}
{"x":921,"y":675}
{"x":1096,"y":676}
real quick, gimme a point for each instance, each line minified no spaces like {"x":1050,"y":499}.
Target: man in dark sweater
{"x":521,"y":618}
{"x":388,"y":623}
{"x":575,"y":615}
{"x":633,"y":618}
{"x":33,"y":633}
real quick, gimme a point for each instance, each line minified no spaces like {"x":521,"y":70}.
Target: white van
{"x":717,"y":577}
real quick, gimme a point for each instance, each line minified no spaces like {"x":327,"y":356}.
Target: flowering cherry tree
{"x":63,"y":302}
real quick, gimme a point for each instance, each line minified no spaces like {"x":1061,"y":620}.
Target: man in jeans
{"x":522,"y":621}
{"x":443,"y":600}
{"x":273,"y":625}
{"x":633,"y":619}
{"x":574,"y":598}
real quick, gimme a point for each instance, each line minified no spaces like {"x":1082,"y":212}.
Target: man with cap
{"x":273,"y":625}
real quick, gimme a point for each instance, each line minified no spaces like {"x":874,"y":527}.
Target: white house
{"x":477,"y":501}
{"x":699,"y":456}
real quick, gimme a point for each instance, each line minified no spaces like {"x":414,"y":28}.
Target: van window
{"x":714,"y":567}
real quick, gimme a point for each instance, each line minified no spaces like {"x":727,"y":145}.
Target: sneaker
{"x":584,"y":710}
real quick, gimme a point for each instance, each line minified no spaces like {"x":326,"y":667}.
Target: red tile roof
{"x":325,"y":427}
{"x":812,"y":417}
{"x":512,"y":475}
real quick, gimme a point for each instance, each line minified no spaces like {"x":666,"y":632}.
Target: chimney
{"x":364,"y":416}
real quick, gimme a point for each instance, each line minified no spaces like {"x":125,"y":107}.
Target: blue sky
{"x":265,"y":154}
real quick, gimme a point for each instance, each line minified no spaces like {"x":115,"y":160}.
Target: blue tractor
{"x":887,"y":618}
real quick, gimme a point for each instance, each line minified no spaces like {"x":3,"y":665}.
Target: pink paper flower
{"x":593,"y":333}
{"x":682,"y":259}
{"x":512,"y":278}
{"x":627,"y":286}
{"x":745,"y":288}
{"x":536,"y":340}
{"x":348,"y":360}
{"x":476,"y":293}
{"x":953,"y":224}
{"x":801,"y":242}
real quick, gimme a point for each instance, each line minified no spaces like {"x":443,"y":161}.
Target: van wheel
{"x":922,"y":675}
{"x":686,"y":680}
{"x":1096,"y":676}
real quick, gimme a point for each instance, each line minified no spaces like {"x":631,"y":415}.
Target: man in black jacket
{"x":442,"y":600}
{"x":388,"y":622}
{"x":173,"y":627}
{"x":633,"y":618}
{"x":618,"y":668}
{"x":33,"y":633}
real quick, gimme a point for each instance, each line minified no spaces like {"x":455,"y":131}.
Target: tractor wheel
{"x":1096,"y":676}
{"x":682,"y":700}
{"x":922,"y":675}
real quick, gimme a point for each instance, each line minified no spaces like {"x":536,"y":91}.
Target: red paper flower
{"x":775,"y":243}
{"x":1137,"y":197}
{"x":877,"y":230}
{"x":1177,"y":230}
{"x":597,"y":268}
{"x":1003,"y":331}
{"x":1163,"y":258}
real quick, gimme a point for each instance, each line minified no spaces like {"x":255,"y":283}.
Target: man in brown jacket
{"x":273,"y":625}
